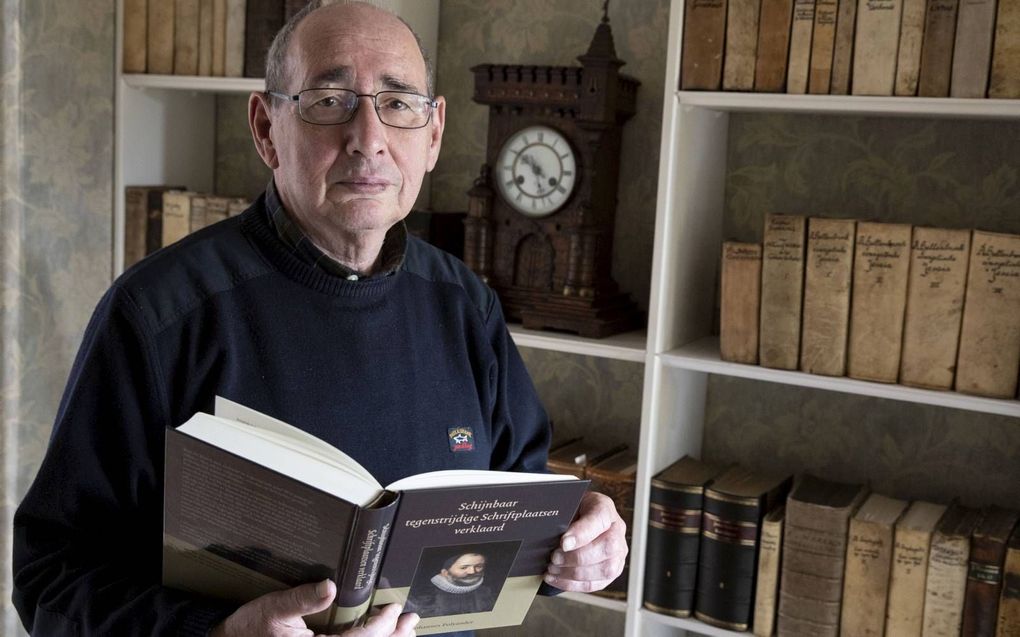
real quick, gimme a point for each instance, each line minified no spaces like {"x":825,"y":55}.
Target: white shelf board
{"x":618,"y":605}
{"x":203,"y":84}
{"x":703,"y":356}
{"x":852,"y":105}
{"x":629,"y":346}
{"x":691,"y":625}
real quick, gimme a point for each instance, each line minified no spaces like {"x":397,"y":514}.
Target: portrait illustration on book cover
{"x":459,"y":579}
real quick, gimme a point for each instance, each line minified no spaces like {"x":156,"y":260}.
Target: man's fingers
{"x":594,"y":517}
{"x":387,"y":622}
{"x":298,"y":601}
{"x":603,"y":571}
{"x":612,"y":544}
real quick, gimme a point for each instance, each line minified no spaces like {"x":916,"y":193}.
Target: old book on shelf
{"x":160,"y":37}
{"x":135,"y":25}
{"x":233,"y":43}
{"x":1008,"y":624}
{"x":186,"y":30}
{"x":984,"y":574}
{"x":199,"y":208}
{"x":937,"y":48}
{"x":946,"y":581}
{"x":741,"y":45}
{"x":574,"y":456}
{"x":782,"y":288}
{"x":217,"y":209}
{"x":616,"y":477}
{"x":674,"y":530}
{"x":735,"y":504}
{"x":236,"y":481}
{"x":237,"y":205}
{"x":935,"y":292}
{"x":827,"y":277}
{"x":990,"y":335}
{"x":136,"y":216}
{"x":219,"y":37}
{"x":264,"y":18}
{"x":876,"y":45}
{"x":972,"y":53}
{"x":904,"y":613}
{"x":908,"y":60}
{"x":176,"y":216}
{"x":818,"y":515}
{"x":773,"y":46}
{"x":868,"y":561}
{"x":205,"y":37}
{"x":1005,"y":76}
{"x":766,"y":587}
{"x":704,"y":40}
{"x":881,"y":268}
{"x":843,"y":48}
{"x":799,"y":64}
{"x":823,"y":43}
{"x":740,"y":302}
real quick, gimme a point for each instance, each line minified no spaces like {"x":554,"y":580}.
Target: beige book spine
{"x":767,"y":584}
{"x":1008,"y":623}
{"x":989,"y":355}
{"x":908,"y":61}
{"x":782,"y":287}
{"x":935,"y":292}
{"x":205,"y":37}
{"x":799,"y":65}
{"x":186,"y":37}
{"x":135,"y":26}
{"x":866,"y":582}
{"x":905,"y":610}
{"x":877,"y":43}
{"x":219,"y":37}
{"x":827,"y":274}
{"x":937,"y":48}
{"x":233,"y":64}
{"x":823,"y":42}
{"x":136,"y":216}
{"x":217,"y":209}
{"x":972,"y":53}
{"x":792,"y":626}
{"x":741,"y":44}
{"x":843,"y":48}
{"x":1005,"y":75}
{"x":821,"y":553}
{"x":160,"y":40}
{"x":198,"y":217}
{"x":773,"y":45}
{"x":176,"y":216}
{"x":945,"y":586}
{"x":740,"y":302}
{"x":881,"y":268}
{"x":703,"y":44}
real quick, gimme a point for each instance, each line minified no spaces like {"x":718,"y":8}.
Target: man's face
{"x":467,"y":570}
{"x":361,"y":176}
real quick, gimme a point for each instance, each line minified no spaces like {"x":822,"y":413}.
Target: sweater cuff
{"x":548,"y":590}
{"x":199,"y":618}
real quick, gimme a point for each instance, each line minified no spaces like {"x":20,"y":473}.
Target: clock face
{"x":536,"y":171}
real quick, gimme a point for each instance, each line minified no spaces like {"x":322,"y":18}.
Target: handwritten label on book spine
{"x":877,"y":43}
{"x":740,"y":302}
{"x":782,"y":287}
{"x":946,"y":584}
{"x":827,"y":275}
{"x":800,"y":46}
{"x":866,"y":586}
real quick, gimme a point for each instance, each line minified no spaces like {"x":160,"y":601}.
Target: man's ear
{"x":436,"y":133}
{"x":261,"y":125}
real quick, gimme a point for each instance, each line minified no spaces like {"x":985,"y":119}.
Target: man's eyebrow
{"x":394,"y":83}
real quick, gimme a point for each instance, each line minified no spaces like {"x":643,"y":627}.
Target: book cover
{"x":741,"y":45}
{"x":774,"y":23}
{"x":615,"y":476}
{"x":766,"y":588}
{"x":990,"y":334}
{"x":233,"y":43}
{"x":876,"y":46}
{"x":881,"y":268}
{"x":827,"y":277}
{"x":799,"y":64}
{"x":984,"y":572}
{"x":904,"y":613}
{"x":935,"y":292}
{"x":186,"y":30}
{"x":946,"y":581}
{"x":160,"y":37}
{"x":734,"y":506}
{"x":1008,"y":624}
{"x":843,"y":52}
{"x":868,"y":562}
{"x":704,"y":39}
{"x":676,"y":502}
{"x":823,"y":44}
{"x":573,"y":457}
{"x":264,"y":18}
{"x":1005,"y":75}
{"x":461,"y":553}
{"x":205,"y":37}
{"x":135,"y":35}
{"x":937,"y":48}
{"x":908,"y":60}
{"x":740,"y":303}
{"x":782,"y":288}
{"x":972,"y":52}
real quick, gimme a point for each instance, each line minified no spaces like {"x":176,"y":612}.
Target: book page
{"x":473,"y":477}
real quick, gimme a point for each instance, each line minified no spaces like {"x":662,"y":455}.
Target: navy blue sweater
{"x":382,"y":368}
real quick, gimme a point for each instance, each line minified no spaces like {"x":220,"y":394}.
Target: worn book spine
{"x":154,"y":224}
{"x":812,"y":571}
{"x":186,"y":31}
{"x":205,"y":37}
{"x":176,"y":216}
{"x":935,"y":293}
{"x":799,"y":64}
{"x":905,"y":611}
{"x":219,"y":37}
{"x":160,"y":40}
{"x":881,"y":268}
{"x":866,"y":579}
{"x":740,"y":303}
{"x":984,"y":572}
{"x":1008,"y":624}
{"x":842,"y":55}
{"x":990,"y":335}
{"x":135,"y":25}
{"x":671,"y":565}
{"x":782,"y":287}
{"x":766,"y":587}
{"x":135,"y":217}
{"x":1005,"y":75}
{"x":823,"y":43}
{"x":233,"y":45}
{"x":727,"y":560}
{"x":876,"y":46}
{"x":908,"y":62}
{"x":773,"y":46}
{"x":972,"y":53}
{"x":937,"y":48}
{"x":741,"y":45}
{"x":704,"y":38}
{"x":199,"y":207}
{"x":945,"y":585}
{"x":264,"y":19}
{"x":827,"y":276}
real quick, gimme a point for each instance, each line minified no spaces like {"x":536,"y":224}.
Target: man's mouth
{"x":364,"y":185}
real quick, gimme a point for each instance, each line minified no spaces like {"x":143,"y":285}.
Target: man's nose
{"x":365,"y":133}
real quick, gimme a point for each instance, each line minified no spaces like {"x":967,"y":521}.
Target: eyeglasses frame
{"x":296,"y":98}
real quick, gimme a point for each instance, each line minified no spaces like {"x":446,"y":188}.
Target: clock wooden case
{"x":541,"y":213}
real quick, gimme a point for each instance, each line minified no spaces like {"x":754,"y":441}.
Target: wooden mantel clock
{"x":540,"y":216}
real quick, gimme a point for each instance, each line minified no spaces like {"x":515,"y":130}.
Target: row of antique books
{"x":156,"y":216}
{"x":931,"y":48}
{"x":202,"y":37}
{"x":926,"y":307}
{"x":739,"y":549}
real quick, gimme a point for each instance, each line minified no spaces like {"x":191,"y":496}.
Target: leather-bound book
{"x":766,"y":586}
{"x":176,"y":216}
{"x":1005,"y":76}
{"x":741,"y":45}
{"x":615,"y":477}
{"x":818,"y":516}
{"x":263,"y":20}
{"x":205,"y":37}
{"x":972,"y":53}
{"x":773,"y":46}
{"x":946,"y":581}
{"x":799,"y":65}
{"x":735,"y":504}
{"x":740,"y":303}
{"x":233,"y":43}
{"x":935,"y":292}
{"x":160,"y":37}
{"x":876,"y":45}
{"x":704,"y":38}
{"x":782,"y":290}
{"x":136,"y":215}
{"x":984,"y":574}
{"x":868,"y":561}
{"x":823,"y":43}
{"x":843,"y":48}
{"x":937,"y":48}
{"x":904,"y":613}
{"x":674,"y":531}
{"x":827,"y":276}
{"x":186,"y":37}
{"x":154,"y":213}
{"x":573,"y":456}
{"x":135,"y":25}
{"x":908,"y":59}
{"x":989,"y":355}
{"x":881,"y":268}
{"x":1008,"y":624}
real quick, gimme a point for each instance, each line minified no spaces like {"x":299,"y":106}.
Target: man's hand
{"x":280,"y":614}
{"x":593,"y":551}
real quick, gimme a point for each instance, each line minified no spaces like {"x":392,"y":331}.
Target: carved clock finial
{"x":605,"y":11}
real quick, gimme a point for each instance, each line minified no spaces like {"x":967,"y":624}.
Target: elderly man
{"x":314,"y":306}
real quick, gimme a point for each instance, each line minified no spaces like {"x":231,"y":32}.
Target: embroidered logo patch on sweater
{"x":461,"y":439}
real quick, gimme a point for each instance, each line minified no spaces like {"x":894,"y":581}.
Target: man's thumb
{"x":302,"y":600}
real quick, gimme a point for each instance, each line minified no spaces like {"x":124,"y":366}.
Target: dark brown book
{"x":1009,"y":602}
{"x":136,"y":216}
{"x":704,"y":37}
{"x":1005,"y":79}
{"x":615,"y":477}
{"x":154,"y":216}
{"x":937,"y":48}
{"x":574,"y":456}
{"x":264,"y":18}
{"x":740,"y":302}
{"x":773,"y":46}
{"x":984,"y":575}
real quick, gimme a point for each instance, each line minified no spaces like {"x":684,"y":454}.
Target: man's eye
{"x":395,"y":104}
{"x":328,"y":102}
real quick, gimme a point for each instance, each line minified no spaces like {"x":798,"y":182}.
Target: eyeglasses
{"x":330,"y":106}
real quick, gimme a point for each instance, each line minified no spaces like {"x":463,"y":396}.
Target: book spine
{"x":154,"y":223}
{"x":359,"y":570}
{"x":972,"y":53}
{"x":176,"y":217}
{"x":881,"y":268}
{"x":842,"y":56}
{"x":135,"y":25}
{"x":233,"y":62}
{"x":905,"y":612}
{"x":264,"y":19}
{"x":703,"y":45}
{"x":205,"y":37}
{"x":740,"y":303}
{"x":773,"y":46}
{"x":186,"y":14}
{"x":823,"y":43}
{"x":219,"y":37}
{"x":199,"y":217}
{"x":135,"y":217}
{"x":160,"y":40}
{"x":800,"y":46}
{"x":908,"y":62}
{"x":741,"y":45}
{"x":984,"y":585}
{"x":674,"y":530}
{"x":1005,"y":76}
{"x":945,"y":585}
{"x":727,"y":563}
{"x":767,"y":584}
{"x":1008,"y":624}
{"x":827,"y":277}
{"x":875,"y":52}
{"x":782,"y":288}
{"x":866,"y":581}
{"x":937,"y":48}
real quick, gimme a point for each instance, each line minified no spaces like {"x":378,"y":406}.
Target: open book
{"x":253,"y":505}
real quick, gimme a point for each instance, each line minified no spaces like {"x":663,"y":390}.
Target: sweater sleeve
{"x":88,"y":535}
